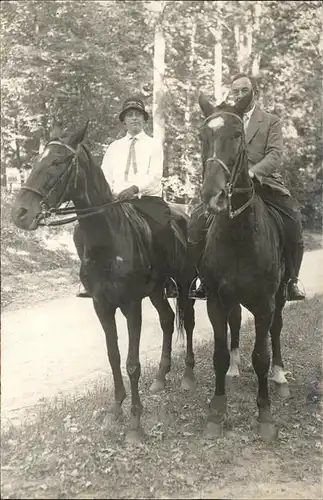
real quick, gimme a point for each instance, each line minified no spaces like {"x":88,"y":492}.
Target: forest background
{"x":65,"y":62}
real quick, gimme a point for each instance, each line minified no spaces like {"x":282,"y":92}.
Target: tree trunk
{"x":217,"y":74}
{"x":243,"y":34}
{"x":3,"y":174}
{"x":18,"y":157}
{"x":158,"y":92}
{"x":187,"y":115}
{"x":255,"y":67}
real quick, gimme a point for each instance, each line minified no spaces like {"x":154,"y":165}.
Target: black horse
{"x":120,"y":262}
{"x":243,"y":259}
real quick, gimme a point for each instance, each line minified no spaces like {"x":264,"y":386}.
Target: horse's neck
{"x":243,"y":179}
{"x":93,"y":191}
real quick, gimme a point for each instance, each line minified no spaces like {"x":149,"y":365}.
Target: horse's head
{"x":222,"y":137}
{"x":52,"y":179}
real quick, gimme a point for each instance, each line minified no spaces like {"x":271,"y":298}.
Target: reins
{"x":80,"y":213}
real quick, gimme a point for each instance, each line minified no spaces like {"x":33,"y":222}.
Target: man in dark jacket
{"x":264,"y":140}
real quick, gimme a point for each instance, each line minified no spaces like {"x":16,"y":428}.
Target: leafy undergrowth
{"x":312,"y":240}
{"x":30,"y":260}
{"x":72,"y":451}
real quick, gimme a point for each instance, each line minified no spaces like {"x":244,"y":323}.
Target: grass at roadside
{"x":72,"y":452}
{"x":34,"y":264}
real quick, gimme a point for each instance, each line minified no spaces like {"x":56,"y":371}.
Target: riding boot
{"x":294,"y":260}
{"x":84,"y":286}
{"x":195,"y":250}
{"x":81,"y":251}
{"x":165,"y":242}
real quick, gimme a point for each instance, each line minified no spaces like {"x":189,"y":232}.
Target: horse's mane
{"x":129,"y":232}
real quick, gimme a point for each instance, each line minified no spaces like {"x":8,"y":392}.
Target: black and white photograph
{"x":161,"y":249}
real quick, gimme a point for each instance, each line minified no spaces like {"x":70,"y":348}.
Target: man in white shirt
{"x":133,"y":167}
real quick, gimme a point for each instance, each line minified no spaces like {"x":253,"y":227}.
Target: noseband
{"x":66,"y":174}
{"x":232,"y":176}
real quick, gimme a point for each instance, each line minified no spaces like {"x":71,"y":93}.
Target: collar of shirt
{"x":247,"y":115}
{"x":138,"y":136}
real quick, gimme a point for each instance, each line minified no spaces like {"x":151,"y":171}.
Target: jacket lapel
{"x":254,"y":123}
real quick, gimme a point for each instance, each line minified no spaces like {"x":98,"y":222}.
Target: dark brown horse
{"x":120,"y":264}
{"x":243,"y":259}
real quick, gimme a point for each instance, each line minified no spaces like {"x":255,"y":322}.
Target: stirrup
{"x":193,"y":291}
{"x":174,"y":293}
{"x":83,"y":293}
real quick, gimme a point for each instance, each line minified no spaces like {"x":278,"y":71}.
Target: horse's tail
{"x":178,"y":248}
{"x":179,"y":317}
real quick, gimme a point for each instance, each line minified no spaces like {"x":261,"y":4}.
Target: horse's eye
{"x":55,"y":163}
{"x":237,"y":134}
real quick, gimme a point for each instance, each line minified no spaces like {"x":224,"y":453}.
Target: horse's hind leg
{"x":235,"y":324}
{"x":106,"y":316}
{"x":278,"y":375}
{"x":261,"y":361}
{"x":166,"y":319}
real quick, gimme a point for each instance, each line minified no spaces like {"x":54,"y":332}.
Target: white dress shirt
{"x":247,"y":116}
{"x":149,"y":163}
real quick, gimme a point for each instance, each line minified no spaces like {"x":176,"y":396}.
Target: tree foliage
{"x":65,"y":62}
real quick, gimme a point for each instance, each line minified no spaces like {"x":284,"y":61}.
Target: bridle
{"x":71,"y":174}
{"x":233,"y":175}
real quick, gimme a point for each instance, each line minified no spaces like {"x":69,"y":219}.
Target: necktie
{"x":245,"y":121}
{"x":131,"y":159}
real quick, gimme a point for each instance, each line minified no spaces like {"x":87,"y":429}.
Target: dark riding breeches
{"x":80,"y":248}
{"x":290,"y":213}
{"x":157,"y":214}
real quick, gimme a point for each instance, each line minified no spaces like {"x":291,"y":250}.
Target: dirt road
{"x":58,"y":347}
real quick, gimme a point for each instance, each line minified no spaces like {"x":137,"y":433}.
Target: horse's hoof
{"x":282,"y":390}
{"x":268,"y":431}
{"x":188,"y":384}
{"x":113,"y":415}
{"x":233,"y":372}
{"x":135,"y":436}
{"x":214,"y":430}
{"x":157,"y":386}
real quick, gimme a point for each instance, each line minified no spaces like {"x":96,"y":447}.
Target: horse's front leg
{"x":106,"y":315}
{"x":166,"y":319}
{"x":235,"y":324}
{"x":278,"y":374}
{"x":261,"y":360}
{"x":221,"y":360}
{"x":133,"y":314}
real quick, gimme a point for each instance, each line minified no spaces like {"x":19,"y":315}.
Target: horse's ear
{"x":78,"y":136}
{"x":241,"y":106}
{"x":205,"y":105}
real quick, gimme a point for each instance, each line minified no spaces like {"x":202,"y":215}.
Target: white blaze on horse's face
{"x":216,"y":123}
